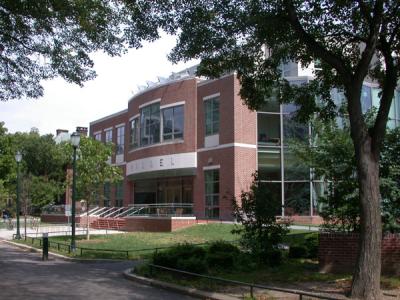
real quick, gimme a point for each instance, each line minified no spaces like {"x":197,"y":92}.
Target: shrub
{"x":170,"y":257}
{"x":192,"y":264}
{"x":312,"y":243}
{"x":223,"y":246}
{"x":298,"y":251}
{"x":274,"y":257}
{"x":222,"y":254}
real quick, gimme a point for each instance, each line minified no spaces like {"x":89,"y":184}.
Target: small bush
{"x":274,"y":257}
{"x":220,"y":260}
{"x":222,"y":246}
{"x":170,"y":257}
{"x":193,"y":264}
{"x":298,"y":251}
{"x":312,"y":243}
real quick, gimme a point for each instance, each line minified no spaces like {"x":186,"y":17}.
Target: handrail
{"x":106,"y":211}
{"x":251,"y":285}
{"x":98,"y":211}
{"x":125,"y":212}
{"x":116,"y":210}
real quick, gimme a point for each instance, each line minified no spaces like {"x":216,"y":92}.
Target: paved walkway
{"x":25,"y":276}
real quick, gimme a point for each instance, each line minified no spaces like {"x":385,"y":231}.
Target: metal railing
{"x":162,"y":209}
{"x":251,"y":286}
{"x":125,"y":253}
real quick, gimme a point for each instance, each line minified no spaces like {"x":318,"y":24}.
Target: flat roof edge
{"x":109,"y":117}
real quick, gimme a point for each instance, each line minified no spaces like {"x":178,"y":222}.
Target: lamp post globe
{"x":75,"y":139}
{"x":18,"y":158}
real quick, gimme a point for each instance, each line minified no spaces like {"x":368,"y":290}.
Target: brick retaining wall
{"x":338,"y":252}
{"x":158,"y":224}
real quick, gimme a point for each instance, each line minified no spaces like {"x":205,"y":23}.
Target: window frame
{"x":174,"y":135}
{"x":214,"y":205}
{"x":212,"y":122}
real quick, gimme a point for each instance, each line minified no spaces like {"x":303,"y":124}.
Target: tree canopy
{"x":43,"y":39}
{"x":352,"y":41}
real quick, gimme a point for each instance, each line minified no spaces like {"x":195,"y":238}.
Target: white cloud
{"x":66,"y":105}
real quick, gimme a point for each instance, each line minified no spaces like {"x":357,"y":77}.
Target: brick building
{"x":190,"y":143}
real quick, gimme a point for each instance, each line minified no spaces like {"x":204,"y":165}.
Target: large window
{"x":109,"y":136}
{"x":107,"y":194}
{"x":268,"y":129}
{"x":269,"y":164}
{"x":97,"y":136}
{"x":120,"y":139}
{"x":211,"y":110}
{"x":173,"y":123}
{"x":119,"y":194}
{"x":134,"y":134}
{"x":212,"y":193}
{"x":150,"y":124}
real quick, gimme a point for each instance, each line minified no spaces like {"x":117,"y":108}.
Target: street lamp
{"x":18,"y":158}
{"x":75,"y":139}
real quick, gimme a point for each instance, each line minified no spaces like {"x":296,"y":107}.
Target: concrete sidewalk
{"x":52,"y":230}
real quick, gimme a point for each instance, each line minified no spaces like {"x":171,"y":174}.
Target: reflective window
{"x":150,"y":124}
{"x":107,"y":194}
{"x":366,"y":98}
{"x":270,"y":105}
{"x":120,"y":139}
{"x":119,"y":194}
{"x":297,"y":198}
{"x":134,"y":134}
{"x":211,"y":178}
{"x":97,"y":137}
{"x":173,"y":122}
{"x":294,"y":169}
{"x":319,"y":190}
{"x":397,"y":105}
{"x":145,"y":192}
{"x":269,"y":132}
{"x":269,"y":164}
{"x":211,"y":112}
{"x":293,"y":129}
{"x":109,"y":136}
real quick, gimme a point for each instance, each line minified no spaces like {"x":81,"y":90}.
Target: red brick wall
{"x":184,"y":90}
{"x":57,"y":218}
{"x":338,"y":252}
{"x":157,"y":224}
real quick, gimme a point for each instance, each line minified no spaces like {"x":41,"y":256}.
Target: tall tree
{"x":93,"y":169}
{"x":44,"y":39}
{"x":352,"y":40}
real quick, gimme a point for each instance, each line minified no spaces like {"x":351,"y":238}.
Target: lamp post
{"x":18,"y":158}
{"x":75,"y":139}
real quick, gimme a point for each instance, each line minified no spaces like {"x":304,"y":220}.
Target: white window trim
{"x":241,"y":145}
{"x":150,"y":103}
{"x":108,"y":129}
{"x":172,"y":104}
{"x":211,"y":96}
{"x":214,"y":167}
{"x":119,"y":125}
{"x":97,"y":132}
{"x":134,"y":117}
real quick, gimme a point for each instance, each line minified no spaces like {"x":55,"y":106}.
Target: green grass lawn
{"x":134,"y":241}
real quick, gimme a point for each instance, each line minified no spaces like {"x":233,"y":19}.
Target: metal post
{"x":73,"y":245}
{"x":18,"y":235}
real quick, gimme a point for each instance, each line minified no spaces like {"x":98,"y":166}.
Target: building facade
{"x":189,"y":141}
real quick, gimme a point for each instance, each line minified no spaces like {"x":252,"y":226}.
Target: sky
{"x":66,"y":106}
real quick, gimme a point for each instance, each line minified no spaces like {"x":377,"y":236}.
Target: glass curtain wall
{"x":288,"y":180}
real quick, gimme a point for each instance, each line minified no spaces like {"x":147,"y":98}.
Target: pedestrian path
{"x":51,"y":230}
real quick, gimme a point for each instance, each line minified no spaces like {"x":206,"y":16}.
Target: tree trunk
{"x":366,"y":277}
{"x":87,"y":222}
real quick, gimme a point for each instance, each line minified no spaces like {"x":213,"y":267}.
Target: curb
{"x":60,"y":256}
{"x":176,"y":288}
